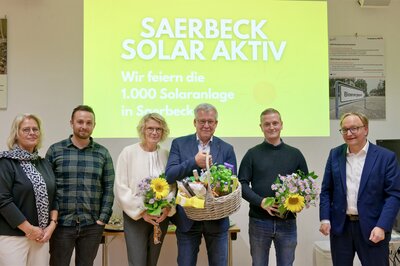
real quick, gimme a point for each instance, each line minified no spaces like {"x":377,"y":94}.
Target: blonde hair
{"x":15,"y":126}
{"x":363,"y":118}
{"x":156,"y":117}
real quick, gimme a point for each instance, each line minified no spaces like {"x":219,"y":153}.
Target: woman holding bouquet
{"x":135,"y":163}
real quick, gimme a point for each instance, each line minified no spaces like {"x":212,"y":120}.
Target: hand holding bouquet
{"x":156,"y":196}
{"x":294,"y":192}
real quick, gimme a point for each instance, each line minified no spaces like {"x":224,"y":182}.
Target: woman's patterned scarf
{"x":39,"y":186}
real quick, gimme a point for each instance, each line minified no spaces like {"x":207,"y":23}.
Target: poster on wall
{"x":3,"y":63}
{"x":357,"y":76}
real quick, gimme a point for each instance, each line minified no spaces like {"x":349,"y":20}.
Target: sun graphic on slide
{"x":264,"y":93}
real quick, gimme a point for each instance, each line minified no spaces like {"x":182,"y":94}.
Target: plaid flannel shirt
{"x":85,"y":180}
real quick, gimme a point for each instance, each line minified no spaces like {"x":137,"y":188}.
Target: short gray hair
{"x":206,"y":107}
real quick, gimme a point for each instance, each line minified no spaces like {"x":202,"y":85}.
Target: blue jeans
{"x":263,"y":232}
{"x":85,"y":240}
{"x":189,"y":243}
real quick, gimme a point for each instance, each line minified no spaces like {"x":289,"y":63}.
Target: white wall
{"x":45,"y":47}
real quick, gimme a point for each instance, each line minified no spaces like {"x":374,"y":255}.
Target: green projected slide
{"x":241,"y":56}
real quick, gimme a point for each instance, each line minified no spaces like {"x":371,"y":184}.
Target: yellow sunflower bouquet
{"x":156,"y":195}
{"x":294,"y":192}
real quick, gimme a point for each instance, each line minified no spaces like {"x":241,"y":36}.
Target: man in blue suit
{"x":360,"y":196}
{"x":189,"y":153}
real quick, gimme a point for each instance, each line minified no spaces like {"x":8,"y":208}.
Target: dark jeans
{"x":85,"y":240}
{"x":189,"y":243}
{"x":344,"y":246}
{"x":139,"y":237}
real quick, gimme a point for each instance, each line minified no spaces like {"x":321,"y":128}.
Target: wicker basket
{"x":216,"y":207}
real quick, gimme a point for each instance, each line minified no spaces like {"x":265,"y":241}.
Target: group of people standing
{"x":66,"y":198}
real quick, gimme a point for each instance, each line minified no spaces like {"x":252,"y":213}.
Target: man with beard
{"x":85,"y":177}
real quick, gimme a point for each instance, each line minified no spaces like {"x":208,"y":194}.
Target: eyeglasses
{"x":158,"y":130}
{"x":209,"y":122}
{"x":27,"y":130}
{"x":353,"y":130}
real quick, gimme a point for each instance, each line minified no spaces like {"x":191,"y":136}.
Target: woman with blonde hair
{"x":136,"y":162}
{"x":28,"y":214}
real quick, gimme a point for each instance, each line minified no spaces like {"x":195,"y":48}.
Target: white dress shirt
{"x":354,"y":167}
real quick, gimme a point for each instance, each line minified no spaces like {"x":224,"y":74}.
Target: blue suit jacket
{"x":181,"y":164}
{"x":378,"y":196}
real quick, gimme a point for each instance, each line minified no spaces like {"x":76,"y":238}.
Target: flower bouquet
{"x":294,"y":192}
{"x":156,"y":196}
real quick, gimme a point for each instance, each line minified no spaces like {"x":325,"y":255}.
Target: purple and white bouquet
{"x":294,"y":192}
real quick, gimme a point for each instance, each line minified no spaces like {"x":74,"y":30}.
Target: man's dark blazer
{"x":181,"y":164}
{"x":378,"y":196}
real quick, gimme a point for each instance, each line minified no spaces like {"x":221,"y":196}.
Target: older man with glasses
{"x":189,"y":153}
{"x":360,"y":196}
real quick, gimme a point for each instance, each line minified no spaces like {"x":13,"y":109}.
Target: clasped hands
{"x":40,"y":235}
{"x":155,"y":220}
